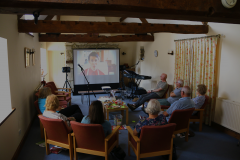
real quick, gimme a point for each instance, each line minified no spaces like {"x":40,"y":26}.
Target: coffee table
{"x":118,"y":109}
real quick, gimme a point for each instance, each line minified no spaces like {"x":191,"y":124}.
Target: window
{"x":5,"y":96}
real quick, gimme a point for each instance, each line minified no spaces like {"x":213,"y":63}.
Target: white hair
{"x":180,"y":81}
{"x":186,"y":90}
{"x":153,"y":107}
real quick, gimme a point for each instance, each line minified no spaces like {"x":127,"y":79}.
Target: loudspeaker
{"x":66,"y":69}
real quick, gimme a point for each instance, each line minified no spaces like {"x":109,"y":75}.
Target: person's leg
{"x":164,"y":102}
{"x":145,"y":98}
{"x":73,"y":111}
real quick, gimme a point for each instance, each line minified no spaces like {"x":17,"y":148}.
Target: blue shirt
{"x":41,"y":104}
{"x":106,"y":125}
{"x":199,"y":101}
{"x":177,"y":92}
{"x":182,"y":103}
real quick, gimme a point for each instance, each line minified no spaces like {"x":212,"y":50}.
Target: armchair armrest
{"x":61,"y":95}
{"x":130,"y":131}
{"x":113,"y":132}
{"x":66,"y":88}
{"x":199,"y":109}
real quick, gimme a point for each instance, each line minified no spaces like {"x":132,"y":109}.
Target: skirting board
{"x":226,"y":130}
{"x":15,"y":156}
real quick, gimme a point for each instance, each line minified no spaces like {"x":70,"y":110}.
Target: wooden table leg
{"x":126,"y":116}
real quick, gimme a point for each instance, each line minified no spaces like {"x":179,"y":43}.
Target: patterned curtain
{"x":195,"y":63}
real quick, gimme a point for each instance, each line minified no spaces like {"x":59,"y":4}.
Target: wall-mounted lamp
{"x":32,"y":51}
{"x":170,"y":52}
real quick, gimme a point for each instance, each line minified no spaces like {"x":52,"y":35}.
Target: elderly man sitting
{"x":158,"y":92}
{"x":183,"y":103}
{"x":174,"y":95}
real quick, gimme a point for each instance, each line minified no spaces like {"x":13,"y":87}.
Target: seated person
{"x":43,"y":93}
{"x":96,"y":116}
{"x":153,"y":109}
{"x":93,"y":60}
{"x":158,"y":92}
{"x":183,"y":103}
{"x":174,"y":95}
{"x":71,"y":113}
{"x":200,"y":99}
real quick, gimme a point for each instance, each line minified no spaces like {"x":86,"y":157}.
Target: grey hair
{"x":153,"y":107}
{"x":186,"y":90}
{"x":180,"y":81}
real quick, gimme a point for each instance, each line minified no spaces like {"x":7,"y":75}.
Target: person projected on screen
{"x":93,"y":60}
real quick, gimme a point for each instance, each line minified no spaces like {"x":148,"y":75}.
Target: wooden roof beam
{"x":193,"y":10}
{"x":93,"y":39}
{"x":49,"y":17}
{"x":106,"y":27}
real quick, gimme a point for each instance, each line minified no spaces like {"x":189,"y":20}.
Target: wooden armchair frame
{"x":70,"y":146}
{"x":97,"y":153}
{"x":200,"y":120}
{"x":144,"y":155}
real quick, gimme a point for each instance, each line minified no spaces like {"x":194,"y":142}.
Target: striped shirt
{"x":177,"y":92}
{"x":56,"y":115}
{"x":182,"y":103}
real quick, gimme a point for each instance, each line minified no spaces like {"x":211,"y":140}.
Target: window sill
{"x":7,"y":116}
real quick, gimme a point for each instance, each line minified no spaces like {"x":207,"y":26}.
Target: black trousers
{"x":146,"y":97}
{"x":73,"y":111}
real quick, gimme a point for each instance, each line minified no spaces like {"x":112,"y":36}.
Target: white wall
{"x":23,"y":82}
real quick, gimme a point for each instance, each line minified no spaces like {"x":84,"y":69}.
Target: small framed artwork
{"x":27,"y":57}
{"x":33,"y":57}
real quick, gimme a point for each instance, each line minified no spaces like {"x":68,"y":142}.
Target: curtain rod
{"x":218,"y":35}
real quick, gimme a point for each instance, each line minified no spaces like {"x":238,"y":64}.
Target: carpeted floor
{"x":209,"y":144}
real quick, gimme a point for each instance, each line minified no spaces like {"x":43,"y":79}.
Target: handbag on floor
{"x":118,"y":153}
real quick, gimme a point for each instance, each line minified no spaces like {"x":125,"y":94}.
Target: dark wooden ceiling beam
{"x":122,"y":19}
{"x":193,"y":10}
{"x":19,"y":16}
{"x":93,"y":39}
{"x":106,"y":27}
{"x":143,"y":20}
{"x":49,"y":17}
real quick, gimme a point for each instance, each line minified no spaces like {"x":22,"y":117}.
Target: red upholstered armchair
{"x":198,"y":117}
{"x":57,"y":133}
{"x":181,"y":118}
{"x":62,"y":104}
{"x":90,"y":139}
{"x":153,"y":141}
{"x":61,"y":97}
{"x":68,"y":93}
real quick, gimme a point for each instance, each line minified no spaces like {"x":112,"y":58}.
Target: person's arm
{"x":172,"y":94}
{"x":165,"y":114}
{"x":135,"y":133}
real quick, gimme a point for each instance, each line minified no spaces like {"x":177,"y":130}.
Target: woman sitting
{"x":43,"y":93}
{"x":96,"y":116}
{"x":200,"y":99}
{"x":153,"y":109}
{"x":72,"y":113}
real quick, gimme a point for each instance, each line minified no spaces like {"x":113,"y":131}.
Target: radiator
{"x":227,"y":114}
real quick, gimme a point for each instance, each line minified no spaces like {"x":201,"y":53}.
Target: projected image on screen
{"x":100,"y":66}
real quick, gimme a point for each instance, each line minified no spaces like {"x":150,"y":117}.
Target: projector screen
{"x":101,"y":66}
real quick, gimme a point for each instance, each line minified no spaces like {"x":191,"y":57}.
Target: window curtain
{"x":195,"y":63}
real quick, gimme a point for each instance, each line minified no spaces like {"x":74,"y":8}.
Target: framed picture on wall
{"x":27,"y":57}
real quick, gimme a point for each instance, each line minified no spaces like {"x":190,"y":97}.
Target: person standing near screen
{"x":93,"y":60}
